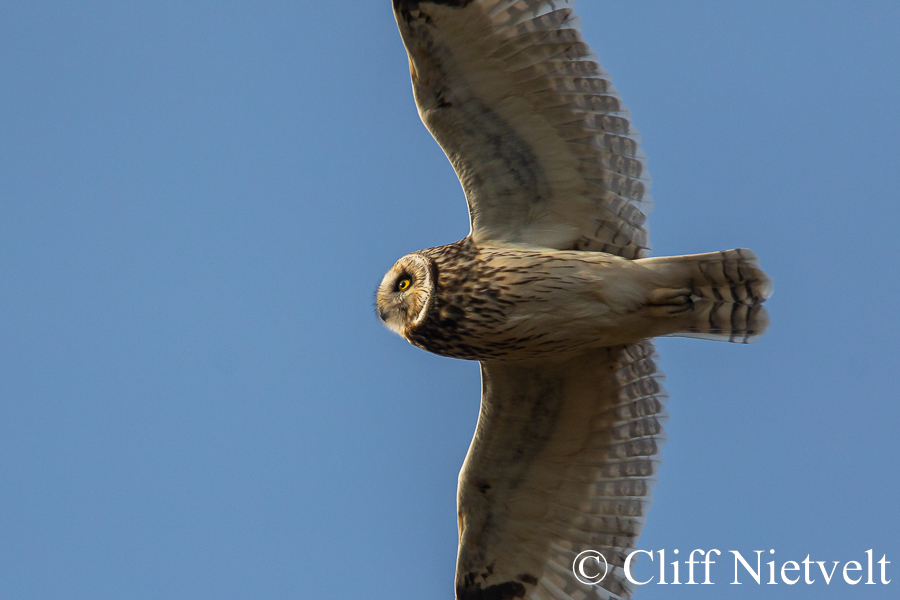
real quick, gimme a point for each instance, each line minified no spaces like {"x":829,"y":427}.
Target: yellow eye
{"x":403,"y":284}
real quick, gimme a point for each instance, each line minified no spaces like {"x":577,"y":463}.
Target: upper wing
{"x":563,"y":460}
{"x":538,"y":135}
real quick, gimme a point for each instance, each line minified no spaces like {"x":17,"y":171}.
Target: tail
{"x":727,"y":290}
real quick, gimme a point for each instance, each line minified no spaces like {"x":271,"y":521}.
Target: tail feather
{"x":727,"y":292}
{"x":726,"y":322}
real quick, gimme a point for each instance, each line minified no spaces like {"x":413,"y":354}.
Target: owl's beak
{"x":382,"y":314}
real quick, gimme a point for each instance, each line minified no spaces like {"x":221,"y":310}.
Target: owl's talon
{"x":668,"y":302}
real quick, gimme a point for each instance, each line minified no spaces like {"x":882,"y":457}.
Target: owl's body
{"x":491,"y":302}
{"x":552,"y":292}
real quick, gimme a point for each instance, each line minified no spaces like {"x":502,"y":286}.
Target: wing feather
{"x":564,"y":459}
{"x":539,"y":137}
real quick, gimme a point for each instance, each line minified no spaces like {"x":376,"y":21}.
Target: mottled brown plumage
{"x":509,"y":303}
{"x":551,"y":292}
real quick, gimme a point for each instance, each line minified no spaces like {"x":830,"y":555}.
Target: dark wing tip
{"x":414,"y":4}
{"x":508,"y":590}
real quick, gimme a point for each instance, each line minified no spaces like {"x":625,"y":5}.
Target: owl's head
{"x":405,"y":293}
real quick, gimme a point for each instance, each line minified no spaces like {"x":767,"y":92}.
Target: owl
{"x":552,"y":292}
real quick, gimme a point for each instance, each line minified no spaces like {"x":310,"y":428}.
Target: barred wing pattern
{"x":563,"y":460}
{"x":538,"y":135}
{"x":565,"y":454}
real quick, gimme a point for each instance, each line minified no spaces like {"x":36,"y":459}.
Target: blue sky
{"x":198,"y":199}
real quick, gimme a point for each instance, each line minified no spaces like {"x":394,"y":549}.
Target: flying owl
{"x":551,"y":291}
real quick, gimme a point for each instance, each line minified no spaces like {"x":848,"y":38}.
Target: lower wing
{"x":563,"y":460}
